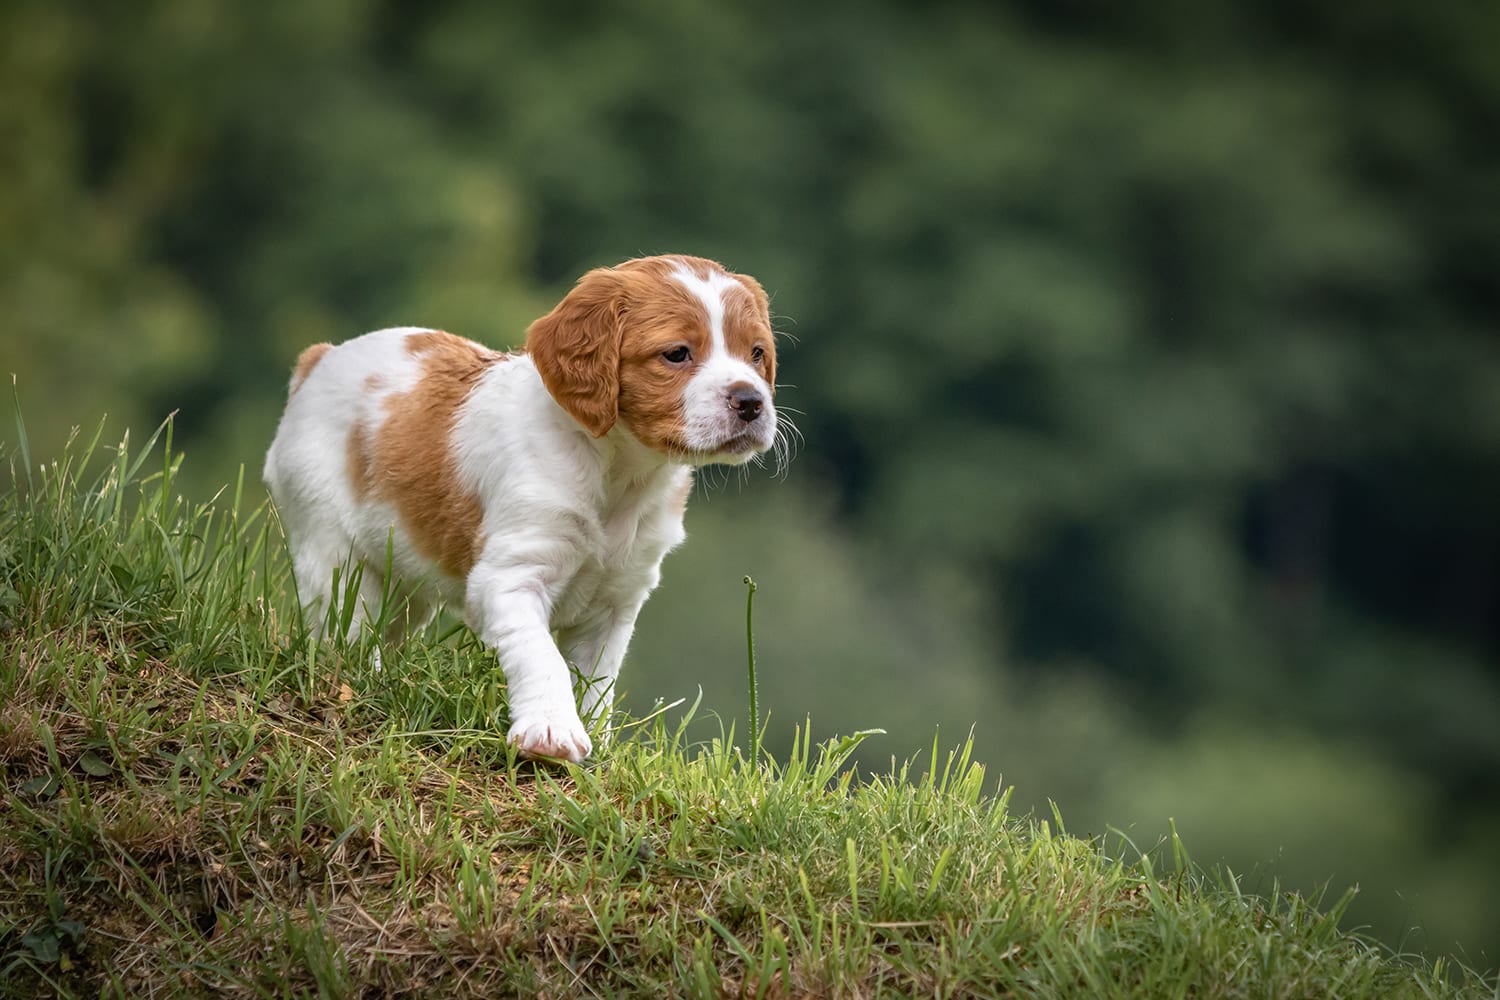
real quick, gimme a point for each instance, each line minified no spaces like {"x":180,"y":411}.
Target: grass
{"x":201,"y":800}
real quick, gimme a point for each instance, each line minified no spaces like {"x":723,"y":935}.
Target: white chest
{"x":622,"y":567}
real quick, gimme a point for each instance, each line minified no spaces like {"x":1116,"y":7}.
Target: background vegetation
{"x":1146,"y":350}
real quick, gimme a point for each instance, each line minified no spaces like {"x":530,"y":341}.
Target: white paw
{"x":554,"y":736}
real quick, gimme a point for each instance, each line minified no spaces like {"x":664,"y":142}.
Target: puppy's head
{"x":677,"y":349}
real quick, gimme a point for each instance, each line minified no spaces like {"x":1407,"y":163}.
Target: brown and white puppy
{"x":539,"y":491}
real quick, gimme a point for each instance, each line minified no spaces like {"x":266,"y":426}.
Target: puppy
{"x":538,"y":490}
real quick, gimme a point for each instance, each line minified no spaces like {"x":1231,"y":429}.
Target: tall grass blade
{"x":755,"y":735}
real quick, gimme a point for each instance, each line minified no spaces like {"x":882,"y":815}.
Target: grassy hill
{"x":200,"y":800}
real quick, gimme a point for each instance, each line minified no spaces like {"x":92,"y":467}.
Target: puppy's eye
{"x":757,"y":354}
{"x":678,"y":355}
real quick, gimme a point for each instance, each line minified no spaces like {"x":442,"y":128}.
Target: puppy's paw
{"x":556,"y":736}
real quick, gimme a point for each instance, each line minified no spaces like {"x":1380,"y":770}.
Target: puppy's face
{"x":676,"y":349}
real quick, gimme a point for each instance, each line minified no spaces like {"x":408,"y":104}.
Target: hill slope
{"x":198,"y":799}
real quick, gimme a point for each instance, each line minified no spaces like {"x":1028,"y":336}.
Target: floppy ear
{"x":576,"y":348}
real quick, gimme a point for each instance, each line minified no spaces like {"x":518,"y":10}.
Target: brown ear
{"x":576,"y":348}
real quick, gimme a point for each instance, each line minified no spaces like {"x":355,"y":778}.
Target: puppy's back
{"x":334,"y":388}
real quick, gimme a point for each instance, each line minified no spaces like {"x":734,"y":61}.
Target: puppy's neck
{"x":628,"y":462}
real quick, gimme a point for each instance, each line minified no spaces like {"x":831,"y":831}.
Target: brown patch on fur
{"x":306,"y":362}
{"x":415,"y":468}
{"x":599,"y":351}
{"x":663,"y":313}
{"x":747,"y":325}
{"x":576,"y":348}
{"x":357,"y":463}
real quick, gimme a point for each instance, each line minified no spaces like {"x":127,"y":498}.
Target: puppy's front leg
{"x":596,"y":649}
{"x":509,"y":608}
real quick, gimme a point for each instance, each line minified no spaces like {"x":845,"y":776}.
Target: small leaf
{"x":43,"y":786}
{"x":95,"y":765}
{"x":43,"y":944}
{"x":850,"y":743}
{"x":123,"y":577}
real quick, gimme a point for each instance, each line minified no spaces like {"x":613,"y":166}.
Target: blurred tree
{"x":90,"y":315}
{"x":1145,"y":318}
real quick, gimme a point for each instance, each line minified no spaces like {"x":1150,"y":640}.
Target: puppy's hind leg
{"x":339,"y":594}
{"x":408,"y":610}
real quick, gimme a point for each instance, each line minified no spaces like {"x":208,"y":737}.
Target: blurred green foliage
{"x":1146,"y":353}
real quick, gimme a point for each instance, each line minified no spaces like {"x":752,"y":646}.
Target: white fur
{"x":575,"y":527}
{"x":710,"y":292}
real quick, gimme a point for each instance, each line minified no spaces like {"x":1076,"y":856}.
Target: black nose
{"x":746,"y":402}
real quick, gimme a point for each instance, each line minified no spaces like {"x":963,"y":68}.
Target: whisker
{"x":791,"y":429}
{"x":788,"y":438}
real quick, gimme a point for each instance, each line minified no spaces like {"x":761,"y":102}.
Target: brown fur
{"x":599,"y":351}
{"x":357,"y":461}
{"x":662,"y":313}
{"x":306,"y":362}
{"x":414,"y":467}
{"x":576,"y":348}
{"x":747,"y":324}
